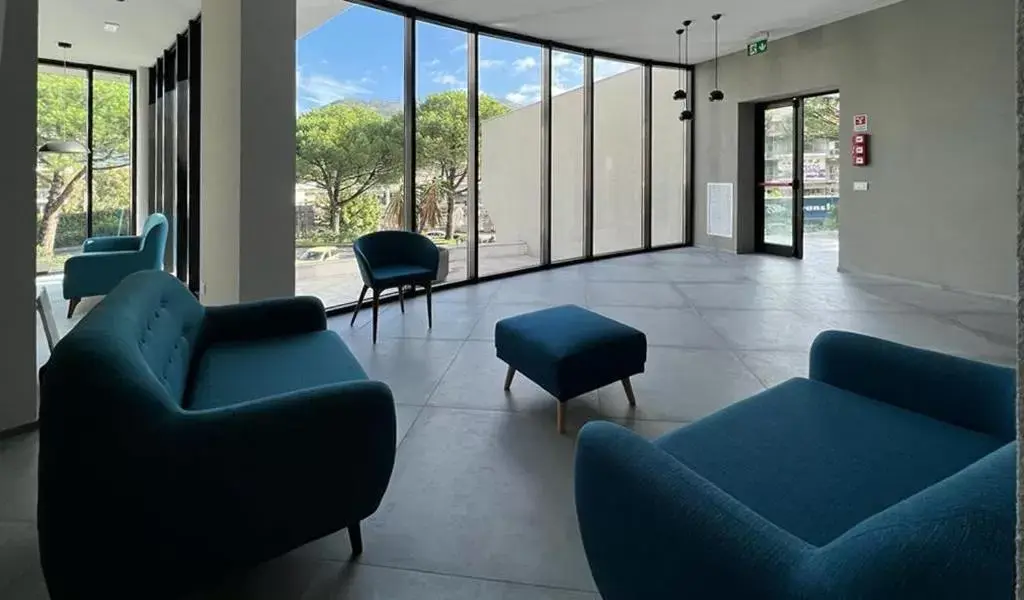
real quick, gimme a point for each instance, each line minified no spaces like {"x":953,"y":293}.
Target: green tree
{"x":442,"y":143}
{"x":347,"y":149}
{"x":62,"y":116}
{"x":821,"y":117}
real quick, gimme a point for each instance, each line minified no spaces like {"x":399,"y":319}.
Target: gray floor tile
{"x":773,"y":367}
{"x":682,"y":385}
{"x":21,"y":576}
{"x":702,"y":273}
{"x":484,"y":329}
{"x":411,"y":367}
{"x":1000,"y":328}
{"x":765,"y":329}
{"x":938,"y":300}
{"x":19,"y":459}
{"x":405,"y":416}
{"x":602,"y":293}
{"x":478,"y":493}
{"x":613,"y":271}
{"x":666,"y":326}
{"x":530,"y":289}
{"x":452,"y":321}
{"x":477,"y":295}
{"x":736,"y":295}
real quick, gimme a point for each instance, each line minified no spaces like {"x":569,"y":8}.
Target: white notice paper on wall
{"x":720,"y":209}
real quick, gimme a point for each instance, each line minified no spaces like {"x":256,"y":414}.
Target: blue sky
{"x":358,"y":55}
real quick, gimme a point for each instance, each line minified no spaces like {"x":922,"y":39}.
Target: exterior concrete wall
{"x":940,"y":208}
{"x":511,"y":168}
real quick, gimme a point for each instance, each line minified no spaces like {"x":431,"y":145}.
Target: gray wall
{"x":18,"y":31}
{"x":937,"y":79}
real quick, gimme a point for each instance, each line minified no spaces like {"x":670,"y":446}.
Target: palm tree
{"x":432,"y":198}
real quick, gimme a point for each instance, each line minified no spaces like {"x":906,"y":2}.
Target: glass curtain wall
{"x":509,"y":216}
{"x":618,"y":156}
{"x":82,"y":195}
{"x":349,"y":146}
{"x":669,"y":147}
{"x":567,"y":175}
{"x":442,"y":144}
{"x":355,"y":174}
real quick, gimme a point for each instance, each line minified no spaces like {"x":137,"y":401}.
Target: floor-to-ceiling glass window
{"x":668,"y":157}
{"x":567,"y":203}
{"x":66,"y":216}
{"x":442,"y":144}
{"x":510,"y":155}
{"x":618,"y":156}
{"x":349,"y":145}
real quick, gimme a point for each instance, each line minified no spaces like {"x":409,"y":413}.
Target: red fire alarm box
{"x":859,"y":149}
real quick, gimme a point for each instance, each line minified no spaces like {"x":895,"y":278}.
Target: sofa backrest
{"x":134,"y":348}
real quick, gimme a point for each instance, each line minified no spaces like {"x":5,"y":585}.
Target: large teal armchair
{"x":179,"y":442}
{"x":105,"y":261}
{"x":888,"y":474}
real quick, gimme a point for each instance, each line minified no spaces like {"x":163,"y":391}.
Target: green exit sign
{"x":758,"y":47}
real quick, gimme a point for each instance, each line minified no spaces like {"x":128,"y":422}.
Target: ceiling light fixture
{"x":64,"y":146}
{"x":687,"y":114}
{"x":111,"y":27}
{"x":716,"y":94}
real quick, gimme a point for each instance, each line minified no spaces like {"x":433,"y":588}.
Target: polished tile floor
{"x":480,"y":504}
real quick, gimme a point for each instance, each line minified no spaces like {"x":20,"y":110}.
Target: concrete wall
{"x":936,"y":78}
{"x":18,"y":47}
{"x":511,"y":168}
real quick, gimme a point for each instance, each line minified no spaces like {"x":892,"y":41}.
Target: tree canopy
{"x":346,"y":149}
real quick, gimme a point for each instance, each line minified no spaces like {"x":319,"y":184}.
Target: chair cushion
{"x":569,"y":350}
{"x":229,"y":373}
{"x":816,"y":460}
{"x":395,"y":275}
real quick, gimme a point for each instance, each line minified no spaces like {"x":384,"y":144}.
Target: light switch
{"x":860,"y":186}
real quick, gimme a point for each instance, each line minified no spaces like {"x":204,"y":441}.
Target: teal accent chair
{"x":888,"y":474}
{"x":180,"y":442}
{"x":395,"y":259}
{"x":105,"y":261}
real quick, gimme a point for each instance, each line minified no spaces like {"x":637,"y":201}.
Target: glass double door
{"x":798,"y":161}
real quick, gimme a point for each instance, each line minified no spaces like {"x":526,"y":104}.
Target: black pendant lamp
{"x":65,"y":146}
{"x":716,"y":95}
{"x":687,"y":114}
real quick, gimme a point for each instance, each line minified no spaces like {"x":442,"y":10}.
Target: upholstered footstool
{"x":569,"y":350}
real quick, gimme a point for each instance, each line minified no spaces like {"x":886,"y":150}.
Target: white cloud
{"x":447,"y":79}
{"x":566,"y":72}
{"x":317,"y":90}
{"x":460,"y":48}
{"x":524,"y":63}
{"x":609,"y":68}
{"x":528,"y":93}
{"x":433,"y":62}
{"x":488,"y":63}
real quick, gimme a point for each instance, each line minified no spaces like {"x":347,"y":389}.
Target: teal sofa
{"x":888,"y":474}
{"x":105,"y":261}
{"x":179,"y":442}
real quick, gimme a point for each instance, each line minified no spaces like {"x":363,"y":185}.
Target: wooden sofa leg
{"x":355,"y":537}
{"x":508,"y":377}
{"x":560,"y":421}
{"x":359,"y":304}
{"x":626,"y":385}
{"x":72,"y":305}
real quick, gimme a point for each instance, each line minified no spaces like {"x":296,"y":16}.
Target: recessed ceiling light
{"x":111,"y":27}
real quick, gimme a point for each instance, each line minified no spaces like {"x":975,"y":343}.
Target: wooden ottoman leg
{"x":508,"y":377}
{"x":561,"y":417}
{"x":626,"y":385}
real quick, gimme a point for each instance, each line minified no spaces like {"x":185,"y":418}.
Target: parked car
{"x":320,"y":253}
{"x":486,"y":237}
{"x":435,"y":235}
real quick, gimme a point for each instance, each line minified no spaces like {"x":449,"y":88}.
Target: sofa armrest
{"x":97,"y":273}
{"x":328,"y":449}
{"x":264,"y":318}
{"x":963,"y":392}
{"x":653,"y":528}
{"x":113,"y":243}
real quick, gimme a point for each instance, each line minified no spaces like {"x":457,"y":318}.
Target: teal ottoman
{"x":569,"y":350}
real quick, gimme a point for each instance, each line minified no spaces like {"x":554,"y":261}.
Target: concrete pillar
{"x":18,"y":55}
{"x":248,"y":150}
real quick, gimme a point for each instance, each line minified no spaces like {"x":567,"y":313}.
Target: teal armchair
{"x":105,"y":261}
{"x":180,"y":442}
{"x":395,"y":259}
{"x":888,"y":474}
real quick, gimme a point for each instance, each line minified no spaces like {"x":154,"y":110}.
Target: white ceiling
{"x":640,"y":28}
{"x":147,"y":27}
{"x":646,"y":28}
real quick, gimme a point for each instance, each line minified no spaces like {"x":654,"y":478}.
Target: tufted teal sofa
{"x":179,"y":442}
